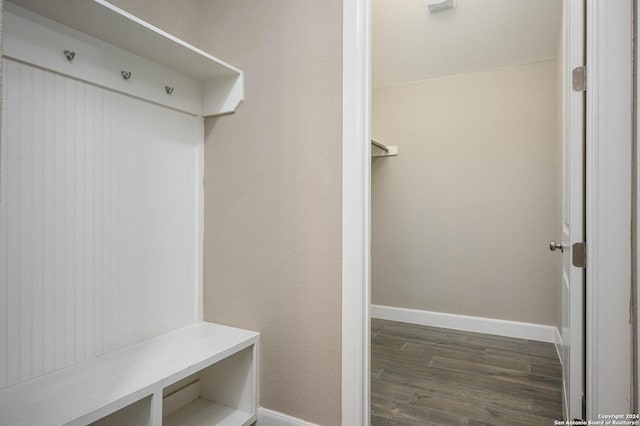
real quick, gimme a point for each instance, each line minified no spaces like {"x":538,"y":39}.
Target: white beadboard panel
{"x":100,"y":227}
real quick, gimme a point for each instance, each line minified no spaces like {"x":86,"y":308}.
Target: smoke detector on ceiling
{"x":435,"y":6}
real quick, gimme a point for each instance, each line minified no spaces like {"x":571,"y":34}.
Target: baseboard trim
{"x":565,"y":406}
{"x":268,"y":417}
{"x":558,"y":343}
{"x":521,"y":330}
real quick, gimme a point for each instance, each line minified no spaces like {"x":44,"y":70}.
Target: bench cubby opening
{"x":221,"y":394}
{"x":137,"y":414}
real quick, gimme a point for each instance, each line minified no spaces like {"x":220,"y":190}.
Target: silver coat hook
{"x":126,"y":74}
{"x":168,"y":89}
{"x":69,"y":54}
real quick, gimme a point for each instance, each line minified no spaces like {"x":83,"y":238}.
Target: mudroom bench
{"x":202,"y":374}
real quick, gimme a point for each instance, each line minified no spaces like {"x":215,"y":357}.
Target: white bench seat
{"x":89,"y":391}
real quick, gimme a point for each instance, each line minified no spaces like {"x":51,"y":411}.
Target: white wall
{"x":462,"y":217}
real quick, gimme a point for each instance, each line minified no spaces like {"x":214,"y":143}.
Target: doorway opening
{"x":468,"y":303}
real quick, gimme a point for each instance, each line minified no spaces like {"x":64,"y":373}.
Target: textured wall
{"x":179,"y":18}
{"x":273,"y":196}
{"x":1,"y":52}
{"x":462,"y":218}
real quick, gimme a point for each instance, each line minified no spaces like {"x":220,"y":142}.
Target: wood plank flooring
{"x":432,"y":376}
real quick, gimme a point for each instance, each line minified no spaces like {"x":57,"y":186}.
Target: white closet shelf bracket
{"x":94,"y":41}
{"x":382,"y":150}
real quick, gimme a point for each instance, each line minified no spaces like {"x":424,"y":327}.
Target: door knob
{"x":553,"y":246}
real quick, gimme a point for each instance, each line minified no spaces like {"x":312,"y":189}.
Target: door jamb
{"x":356,"y":209}
{"x":609,"y":127}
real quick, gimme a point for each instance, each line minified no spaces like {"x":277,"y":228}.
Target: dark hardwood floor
{"x":432,"y":376}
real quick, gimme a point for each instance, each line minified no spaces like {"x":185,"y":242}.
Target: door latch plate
{"x":579,"y":79}
{"x":579,"y":255}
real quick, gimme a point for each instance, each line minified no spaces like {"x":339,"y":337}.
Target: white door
{"x":573,"y":208}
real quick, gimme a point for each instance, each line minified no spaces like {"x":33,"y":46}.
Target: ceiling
{"x":411,"y":45}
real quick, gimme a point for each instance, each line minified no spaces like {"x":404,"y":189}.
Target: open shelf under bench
{"x":220,"y":360}
{"x":201,"y":412}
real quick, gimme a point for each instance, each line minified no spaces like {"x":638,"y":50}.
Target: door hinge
{"x":579,"y":79}
{"x":579,"y":255}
